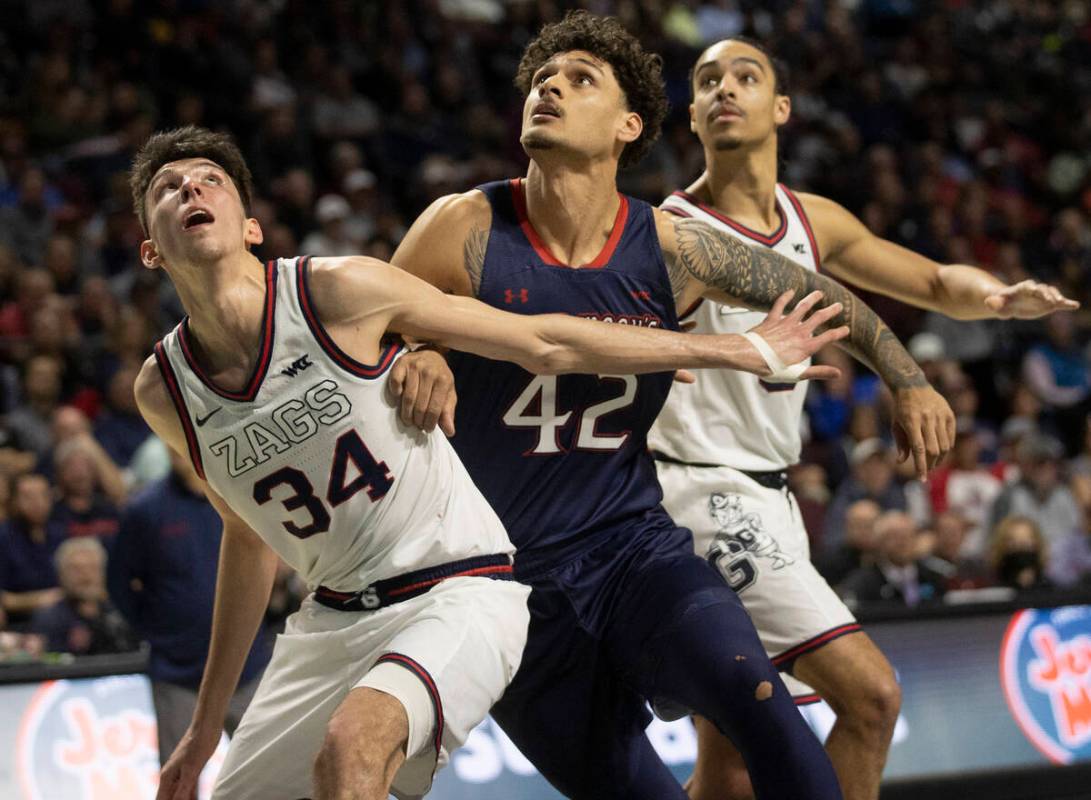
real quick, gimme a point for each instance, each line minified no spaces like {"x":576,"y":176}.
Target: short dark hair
{"x":188,"y":142}
{"x":639,"y":73}
{"x":781,"y":73}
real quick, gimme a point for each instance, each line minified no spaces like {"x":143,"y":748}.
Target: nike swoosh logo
{"x":202,"y":420}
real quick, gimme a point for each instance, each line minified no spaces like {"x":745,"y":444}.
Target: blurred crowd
{"x":959,"y":128}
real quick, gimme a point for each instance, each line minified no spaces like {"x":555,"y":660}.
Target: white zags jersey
{"x":732,"y":418}
{"x":312,"y":454}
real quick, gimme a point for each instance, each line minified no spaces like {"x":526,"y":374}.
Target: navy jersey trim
{"x":519,"y":201}
{"x":339,"y":356}
{"x":798,"y":206}
{"x":171,"y":381}
{"x":786,"y":660}
{"x":766,"y":239}
{"x":265,"y":351}
{"x":429,"y":684}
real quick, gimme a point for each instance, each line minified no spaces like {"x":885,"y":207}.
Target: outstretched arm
{"x":358,"y":300}
{"x":852,"y":253}
{"x":704,"y":262}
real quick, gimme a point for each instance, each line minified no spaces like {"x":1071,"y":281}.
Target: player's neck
{"x":225,"y":302}
{"x":742,"y":185}
{"x":572,"y":210}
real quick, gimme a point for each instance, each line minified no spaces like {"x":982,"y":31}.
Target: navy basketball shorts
{"x":638,"y":618}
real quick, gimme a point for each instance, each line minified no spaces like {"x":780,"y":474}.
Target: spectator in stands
{"x":1019,"y":555}
{"x":1039,"y":494}
{"x":860,"y":544}
{"x":897,"y":576}
{"x":1070,"y":557}
{"x":872,"y":478}
{"x":82,"y":622}
{"x":119,"y":428}
{"x":81,"y":507}
{"x":28,"y":540}
{"x":1058,"y":374}
{"x":71,"y":425}
{"x":162,"y":577}
{"x":30,"y":422}
{"x":332,"y":239}
{"x":967,"y":487}
{"x":946,"y":554}
{"x":26,"y":226}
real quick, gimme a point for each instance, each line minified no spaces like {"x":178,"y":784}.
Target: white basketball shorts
{"x":447,"y":655}
{"x":755,"y":535}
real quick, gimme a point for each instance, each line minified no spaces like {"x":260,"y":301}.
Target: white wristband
{"x":779,"y":372}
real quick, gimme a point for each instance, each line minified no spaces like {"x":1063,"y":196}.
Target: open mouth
{"x":196,"y":218}
{"x":545,"y":110}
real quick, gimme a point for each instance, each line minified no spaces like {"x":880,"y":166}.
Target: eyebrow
{"x":734,"y":61}
{"x":580,"y":59}
{"x":173,"y":171}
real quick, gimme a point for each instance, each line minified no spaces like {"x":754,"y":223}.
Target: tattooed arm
{"x":446,"y":248}
{"x":703,"y":262}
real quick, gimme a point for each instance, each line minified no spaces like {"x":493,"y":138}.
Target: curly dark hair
{"x":188,"y":142}
{"x":639,"y":73}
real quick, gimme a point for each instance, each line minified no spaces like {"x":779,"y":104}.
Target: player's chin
{"x":538,"y":140}
{"x":727,"y":141}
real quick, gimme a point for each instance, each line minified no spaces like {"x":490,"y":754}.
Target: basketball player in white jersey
{"x":275,"y":387}
{"x":723,"y":444}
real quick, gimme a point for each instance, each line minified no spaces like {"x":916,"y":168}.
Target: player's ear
{"x":631,"y":127}
{"x":149,"y":255}
{"x":692,"y":119}
{"x":782,"y":109}
{"x":253,"y":234}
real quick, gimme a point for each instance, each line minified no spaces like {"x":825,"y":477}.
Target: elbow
{"x":547,"y":359}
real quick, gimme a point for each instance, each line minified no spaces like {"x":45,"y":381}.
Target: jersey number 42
{"x":536,"y":407}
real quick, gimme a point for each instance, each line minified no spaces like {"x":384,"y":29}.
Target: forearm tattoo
{"x":758,"y":275}
{"x":473,"y":254}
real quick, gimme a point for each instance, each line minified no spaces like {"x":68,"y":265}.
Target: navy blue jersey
{"x":563,"y":456}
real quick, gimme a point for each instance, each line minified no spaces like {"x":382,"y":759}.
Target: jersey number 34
{"x":372,"y":475}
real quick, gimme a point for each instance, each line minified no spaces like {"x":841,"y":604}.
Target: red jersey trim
{"x":265,"y":351}
{"x":342,"y":359}
{"x":171,"y":380}
{"x":692,"y":309}
{"x":798,"y":206}
{"x":429,"y":684}
{"x":806,"y":699}
{"x":767,"y":240}
{"x":604,"y":256}
{"x":786,"y":660}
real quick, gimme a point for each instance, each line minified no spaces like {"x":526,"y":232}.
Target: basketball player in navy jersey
{"x":622,"y":609}
{"x":274,"y":386}
{"x":730,"y":439}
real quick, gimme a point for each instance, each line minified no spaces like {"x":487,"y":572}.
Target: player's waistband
{"x":413,"y":584}
{"x":770,"y":479}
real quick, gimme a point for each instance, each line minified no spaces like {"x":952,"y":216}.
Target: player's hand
{"x":424,"y":384}
{"x":179,"y":776}
{"x":792,"y":336}
{"x":1028,"y":300}
{"x":924,"y":427}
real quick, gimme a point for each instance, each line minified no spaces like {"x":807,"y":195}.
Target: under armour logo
{"x":510,"y":296}
{"x":297,"y":366}
{"x":641,"y":295}
{"x":800,"y":248}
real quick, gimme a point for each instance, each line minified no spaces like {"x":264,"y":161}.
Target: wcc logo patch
{"x":1045,"y":669}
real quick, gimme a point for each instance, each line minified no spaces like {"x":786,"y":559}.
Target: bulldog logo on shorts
{"x":745,"y":528}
